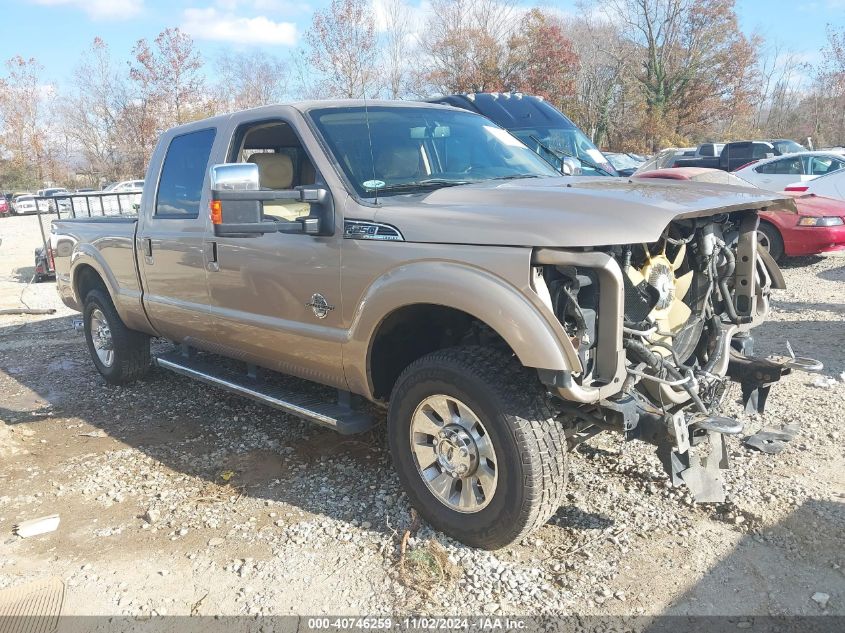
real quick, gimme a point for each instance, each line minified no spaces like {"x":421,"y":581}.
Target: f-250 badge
{"x":320,"y":306}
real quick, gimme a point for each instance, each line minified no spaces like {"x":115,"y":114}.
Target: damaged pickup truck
{"x":421,"y":258}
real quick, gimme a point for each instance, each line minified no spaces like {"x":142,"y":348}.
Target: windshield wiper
{"x":517,"y":177}
{"x":562,"y":154}
{"x":421,"y":184}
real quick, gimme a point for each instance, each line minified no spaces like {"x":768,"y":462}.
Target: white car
{"x":776,"y":173}
{"x":127,"y":186}
{"x":24,"y":205}
{"x":831,"y":186}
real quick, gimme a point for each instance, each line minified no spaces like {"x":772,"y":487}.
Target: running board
{"x":338,"y":416}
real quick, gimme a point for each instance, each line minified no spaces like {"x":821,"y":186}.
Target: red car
{"x":819,"y":226}
{"x":5,"y":208}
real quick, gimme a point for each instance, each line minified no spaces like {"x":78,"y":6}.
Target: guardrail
{"x":79,"y":205}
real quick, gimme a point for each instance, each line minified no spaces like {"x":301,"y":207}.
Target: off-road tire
{"x":517,"y":414}
{"x":131,"y":348}
{"x":775,"y":240}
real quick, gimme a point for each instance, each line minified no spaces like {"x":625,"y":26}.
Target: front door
{"x":274,"y":300}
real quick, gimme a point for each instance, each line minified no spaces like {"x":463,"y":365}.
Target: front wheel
{"x":477,"y":446}
{"x":120,"y":355}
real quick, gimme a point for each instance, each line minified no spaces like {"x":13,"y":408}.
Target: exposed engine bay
{"x":689,"y":303}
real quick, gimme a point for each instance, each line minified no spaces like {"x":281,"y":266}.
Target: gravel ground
{"x":178,"y":499}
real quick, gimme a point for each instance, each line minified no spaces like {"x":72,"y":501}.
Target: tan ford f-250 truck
{"x":422,"y":258}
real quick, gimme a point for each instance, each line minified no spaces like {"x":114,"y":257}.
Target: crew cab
{"x":419,"y":257}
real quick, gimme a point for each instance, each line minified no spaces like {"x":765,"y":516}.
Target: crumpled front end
{"x":661,"y":330}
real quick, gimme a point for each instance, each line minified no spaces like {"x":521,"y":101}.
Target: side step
{"x":338,"y":416}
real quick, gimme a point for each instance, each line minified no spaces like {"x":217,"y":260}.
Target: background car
{"x":775,"y":174}
{"x":64,"y":204}
{"x":624,"y":164}
{"x":127,"y":186}
{"x":5,"y":207}
{"x":818,"y":227}
{"x":831,"y":185}
{"x":25,"y":204}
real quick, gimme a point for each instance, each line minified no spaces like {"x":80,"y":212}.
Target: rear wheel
{"x":120,"y":355}
{"x":477,"y":446}
{"x":769,"y":238}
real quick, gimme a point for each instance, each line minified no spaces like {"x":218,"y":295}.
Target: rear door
{"x":777,"y":174}
{"x":172,"y":236}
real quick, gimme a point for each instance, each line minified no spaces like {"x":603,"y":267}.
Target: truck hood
{"x":563,"y":212}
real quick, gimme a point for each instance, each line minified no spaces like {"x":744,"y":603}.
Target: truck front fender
{"x":526,"y":324}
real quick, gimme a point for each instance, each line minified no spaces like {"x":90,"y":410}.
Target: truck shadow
{"x":234,"y":445}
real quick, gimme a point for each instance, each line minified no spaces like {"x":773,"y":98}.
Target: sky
{"x":56,"y":32}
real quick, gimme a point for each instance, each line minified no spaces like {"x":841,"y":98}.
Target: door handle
{"x":148,"y":250}
{"x":211,"y":256}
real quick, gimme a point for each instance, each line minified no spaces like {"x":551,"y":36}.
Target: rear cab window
{"x":183,"y":174}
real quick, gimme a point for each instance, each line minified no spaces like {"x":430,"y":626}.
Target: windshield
{"x":569,"y":141}
{"x":419,"y":149}
{"x":623,"y":161}
{"x":788,"y":147}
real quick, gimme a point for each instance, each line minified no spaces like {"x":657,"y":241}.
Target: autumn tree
{"x":23,"y":103}
{"x":697,"y":66}
{"x":248,"y":80}
{"x":168,"y":77}
{"x":466,"y":45}
{"x":544,"y":61}
{"x":343,"y":48}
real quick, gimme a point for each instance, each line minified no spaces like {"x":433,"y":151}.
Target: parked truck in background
{"x":421,"y":258}
{"x":540,"y":126}
{"x":735,"y":155}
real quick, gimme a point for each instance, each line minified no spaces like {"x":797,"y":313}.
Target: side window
{"x":760,"y":150}
{"x":791,"y":166}
{"x":282,"y":164}
{"x":821,"y":165}
{"x":183,"y":174}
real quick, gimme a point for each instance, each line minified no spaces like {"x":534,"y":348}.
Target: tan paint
{"x":469,"y":248}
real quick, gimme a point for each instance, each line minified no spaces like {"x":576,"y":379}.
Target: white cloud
{"x":100,"y":9}
{"x":224,"y":26}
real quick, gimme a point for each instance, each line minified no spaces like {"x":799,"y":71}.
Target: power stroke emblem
{"x":320,"y":306}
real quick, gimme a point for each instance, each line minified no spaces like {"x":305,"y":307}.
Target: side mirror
{"x":571,"y":166}
{"x":237,"y":204}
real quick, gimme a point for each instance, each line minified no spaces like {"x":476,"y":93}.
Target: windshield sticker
{"x":596,"y":156}
{"x":372,"y":184}
{"x":504,"y":136}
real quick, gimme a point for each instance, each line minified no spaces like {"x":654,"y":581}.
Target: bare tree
{"x":248,"y":80}
{"x":91,"y":114}
{"x":397,"y":46}
{"x":601,"y":84}
{"x":342,"y":46}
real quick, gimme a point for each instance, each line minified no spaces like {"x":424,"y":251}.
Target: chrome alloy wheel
{"x":101,"y":337}
{"x":764,"y":242}
{"x":453,"y":453}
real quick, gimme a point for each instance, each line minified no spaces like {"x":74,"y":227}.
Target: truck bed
{"x":106,"y":244}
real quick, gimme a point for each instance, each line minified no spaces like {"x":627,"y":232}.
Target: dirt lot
{"x":175,"y":498}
